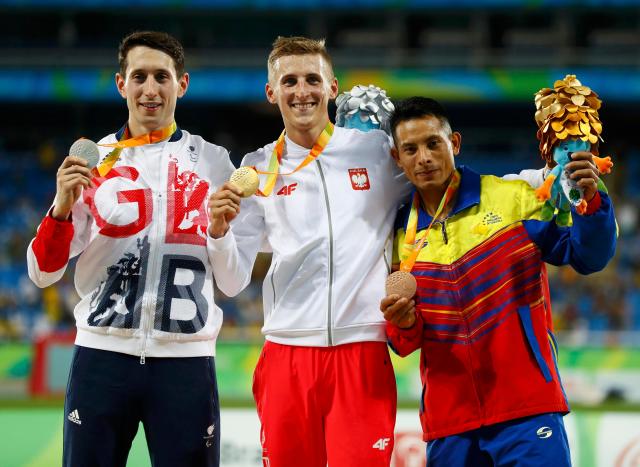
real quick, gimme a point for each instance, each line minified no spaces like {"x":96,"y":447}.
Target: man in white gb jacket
{"x":144,"y":275}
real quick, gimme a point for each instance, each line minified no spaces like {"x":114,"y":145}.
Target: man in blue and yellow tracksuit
{"x":491,"y":390}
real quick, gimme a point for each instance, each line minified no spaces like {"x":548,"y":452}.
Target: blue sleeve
{"x":587,"y":245}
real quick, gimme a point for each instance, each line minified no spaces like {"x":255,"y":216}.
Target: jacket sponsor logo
{"x":381,"y":444}
{"x":359,"y":179}
{"x":287,"y":190}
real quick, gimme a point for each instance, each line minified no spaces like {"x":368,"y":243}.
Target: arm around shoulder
{"x":534,"y":177}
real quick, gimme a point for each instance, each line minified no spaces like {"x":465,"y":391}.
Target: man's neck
{"x":305,"y":137}
{"x":431,"y":198}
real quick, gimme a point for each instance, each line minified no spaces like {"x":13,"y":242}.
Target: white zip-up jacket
{"x":329,"y":227}
{"x":144,"y":273}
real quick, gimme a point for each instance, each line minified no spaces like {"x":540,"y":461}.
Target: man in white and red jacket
{"x":324,"y":384}
{"x":147,"y":321}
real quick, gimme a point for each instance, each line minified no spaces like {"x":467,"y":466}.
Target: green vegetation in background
{"x":33,"y":438}
{"x":15,"y":360}
{"x":235,"y":362}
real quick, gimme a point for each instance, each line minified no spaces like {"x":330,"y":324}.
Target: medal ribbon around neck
{"x":412,"y":223}
{"x":126,"y":142}
{"x":276,"y":159}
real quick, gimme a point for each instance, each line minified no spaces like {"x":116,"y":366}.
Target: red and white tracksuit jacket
{"x":144,"y":272}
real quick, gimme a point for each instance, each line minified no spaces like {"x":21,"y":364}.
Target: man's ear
{"x":456,"y":141}
{"x":120,"y":85}
{"x":396,"y":155}
{"x":271,"y":94}
{"x":183,"y":82}
{"x":333,"y":88}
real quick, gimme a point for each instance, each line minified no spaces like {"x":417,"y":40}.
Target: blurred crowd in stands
{"x":582,"y":306}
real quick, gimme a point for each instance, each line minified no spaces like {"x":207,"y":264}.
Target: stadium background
{"x":484,"y":59}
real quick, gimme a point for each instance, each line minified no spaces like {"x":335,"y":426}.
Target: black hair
{"x":418,"y":107}
{"x":154,"y":40}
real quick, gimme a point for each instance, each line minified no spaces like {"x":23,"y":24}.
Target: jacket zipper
{"x":150,"y":280}
{"x":445,"y":239}
{"x":273,"y":285}
{"x":388,"y":243}
{"x":326,"y":199}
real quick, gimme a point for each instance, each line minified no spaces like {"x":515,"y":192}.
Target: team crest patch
{"x":359,"y":179}
{"x":491,"y":218}
{"x":482,"y":228}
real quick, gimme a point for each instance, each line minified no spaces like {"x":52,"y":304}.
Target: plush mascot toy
{"x":568,"y":122}
{"x":365,"y":108}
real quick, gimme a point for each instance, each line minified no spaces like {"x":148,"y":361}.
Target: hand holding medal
{"x":87,"y":150}
{"x":400,"y":312}
{"x":74,"y":174}
{"x":402,"y":283}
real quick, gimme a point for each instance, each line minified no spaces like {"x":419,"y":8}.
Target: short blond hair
{"x":297,"y":45}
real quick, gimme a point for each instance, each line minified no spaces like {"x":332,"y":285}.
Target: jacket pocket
{"x":527,"y":324}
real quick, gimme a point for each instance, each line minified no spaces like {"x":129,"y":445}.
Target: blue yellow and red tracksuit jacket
{"x":483,"y":318}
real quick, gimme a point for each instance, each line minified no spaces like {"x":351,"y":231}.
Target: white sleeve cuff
{"x":220,"y":244}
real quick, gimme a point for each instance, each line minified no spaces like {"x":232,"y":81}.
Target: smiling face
{"x":425,"y":150}
{"x":151,"y":88}
{"x":301,"y":86}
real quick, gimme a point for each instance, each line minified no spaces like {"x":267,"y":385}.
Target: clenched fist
{"x":72,"y":176}
{"x":222,"y":208}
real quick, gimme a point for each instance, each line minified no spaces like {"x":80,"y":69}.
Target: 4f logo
{"x":381,"y":444}
{"x":287,"y":190}
{"x":359,"y":179}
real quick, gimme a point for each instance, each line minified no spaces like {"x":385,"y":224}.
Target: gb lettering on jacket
{"x":186,"y":194}
{"x":123,"y":206}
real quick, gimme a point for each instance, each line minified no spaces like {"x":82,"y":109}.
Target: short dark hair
{"x":154,"y":40}
{"x":418,"y":107}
